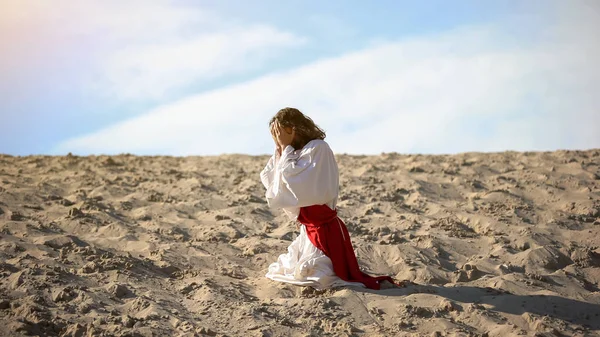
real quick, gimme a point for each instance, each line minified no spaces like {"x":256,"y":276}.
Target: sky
{"x":184,"y":77}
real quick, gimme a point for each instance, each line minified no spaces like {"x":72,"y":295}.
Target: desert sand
{"x":495,"y":244}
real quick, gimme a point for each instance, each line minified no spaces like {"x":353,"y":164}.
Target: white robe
{"x":298,"y":178}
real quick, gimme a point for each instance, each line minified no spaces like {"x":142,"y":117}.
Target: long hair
{"x":306,"y":130}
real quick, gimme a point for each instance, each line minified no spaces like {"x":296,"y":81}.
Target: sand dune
{"x":495,"y":244}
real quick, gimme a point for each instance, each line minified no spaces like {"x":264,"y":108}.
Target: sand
{"x":499,"y":244}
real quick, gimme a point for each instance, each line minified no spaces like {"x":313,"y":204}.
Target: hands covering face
{"x":281,"y":136}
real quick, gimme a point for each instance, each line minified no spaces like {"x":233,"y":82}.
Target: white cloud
{"x":113,"y":19}
{"x":151,"y":70}
{"x":141,"y":50}
{"x":472,"y":89}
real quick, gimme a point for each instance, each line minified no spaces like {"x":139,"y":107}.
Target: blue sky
{"x":204,"y":77}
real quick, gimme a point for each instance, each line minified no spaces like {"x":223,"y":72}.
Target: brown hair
{"x":306,"y":129}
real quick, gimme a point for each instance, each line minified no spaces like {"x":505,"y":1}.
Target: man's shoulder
{"x":317,"y":144}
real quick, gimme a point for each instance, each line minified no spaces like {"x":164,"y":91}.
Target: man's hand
{"x":283,"y":136}
{"x":277,"y":146}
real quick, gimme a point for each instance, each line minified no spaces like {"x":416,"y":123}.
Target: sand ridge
{"x":496,"y":244}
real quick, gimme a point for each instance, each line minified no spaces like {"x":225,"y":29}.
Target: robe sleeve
{"x":301,"y":178}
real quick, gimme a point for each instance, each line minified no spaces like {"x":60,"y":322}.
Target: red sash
{"x":328,"y":233}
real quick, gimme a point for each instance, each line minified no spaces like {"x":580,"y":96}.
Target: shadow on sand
{"x":566,"y":309}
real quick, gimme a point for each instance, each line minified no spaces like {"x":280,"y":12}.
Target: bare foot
{"x":385,"y":284}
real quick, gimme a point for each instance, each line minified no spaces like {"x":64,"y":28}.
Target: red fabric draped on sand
{"x":328,"y":233}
